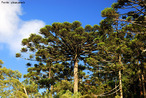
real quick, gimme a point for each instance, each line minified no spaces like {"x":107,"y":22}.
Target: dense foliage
{"x":71,"y":61}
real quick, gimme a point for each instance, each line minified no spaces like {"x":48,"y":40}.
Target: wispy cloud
{"x":12,"y":28}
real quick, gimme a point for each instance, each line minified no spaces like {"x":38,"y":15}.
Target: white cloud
{"x":12,"y":28}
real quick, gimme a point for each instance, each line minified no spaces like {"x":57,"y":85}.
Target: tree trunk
{"x":120,"y":84}
{"x":143,"y":85}
{"x":75,"y":75}
{"x":120,"y":78}
{"x":25,"y":91}
{"x":51,"y":87}
{"x":49,"y":73}
{"x":116,"y":86}
{"x":140,"y":81}
{"x":140,"y":86}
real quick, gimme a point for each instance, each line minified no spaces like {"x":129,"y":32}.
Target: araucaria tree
{"x":61,"y":43}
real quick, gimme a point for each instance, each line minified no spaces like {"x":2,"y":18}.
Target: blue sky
{"x":19,"y":21}
{"x":86,"y":11}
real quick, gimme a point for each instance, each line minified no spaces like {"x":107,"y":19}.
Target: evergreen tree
{"x":136,"y":63}
{"x":108,"y":61}
{"x":61,"y":44}
{"x":133,"y":25}
{"x":116,"y":52}
{"x":10,"y":86}
{"x":133,"y":12}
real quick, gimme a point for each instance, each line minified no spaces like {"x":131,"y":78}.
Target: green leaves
{"x":23,"y":50}
{"x":79,"y":30}
{"x":1,"y":62}
{"x":24,"y":42}
{"x":76,"y":24}
{"x":9,"y":83}
{"x":89,"y":28}
{"x":44,"y":30}
{"x":96,"y":27}
{"x":129,"y":19}
{"x":109,"y":12}
{"x":57,"y":45}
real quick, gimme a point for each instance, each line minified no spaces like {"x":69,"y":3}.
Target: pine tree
{"x":133,"y":12}
{"x":61,"y":44}
{"x":119,"y":46}
{"x":136,"y":62}
{"x":135,"y":17}
{"x":109,"y":59}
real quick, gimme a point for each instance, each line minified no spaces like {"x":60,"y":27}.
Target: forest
{"x":71,"y":61}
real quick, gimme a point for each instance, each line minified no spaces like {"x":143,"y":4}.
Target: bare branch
{"x":130,"y":7}
{"x":137,"y":3}
{"x":104,"y":94}
{"x":137,"y":9}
